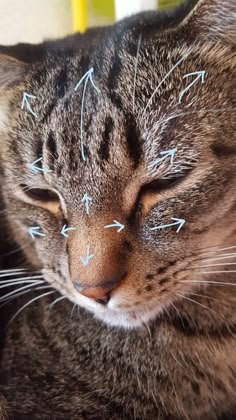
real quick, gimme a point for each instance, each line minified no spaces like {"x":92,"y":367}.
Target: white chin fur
{"x":129,"y":319}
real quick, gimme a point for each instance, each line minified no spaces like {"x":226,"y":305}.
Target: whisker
{"x":17,"y":283}
{"x":55,"y":301}
{"x":27,"y":304}
{"x":148,"y":329}
{"x":166,"y":310}
{"x":178,"y":312}
{"x":210,"y":259}
{"x":182,"y":114}
{"x":215,"y":265}
{"x":17,"y":274}
{"x":18,"y":290}
{"x":72,"y":310}
{"x":198,"y":303}
{"x":136,"y":68}
{"x":16,"y":295}
{"x":207,"y":282}
{"x":19,"y":249}
{"x":208,"y":297}
{"x":12,"y":270}
{"x":218,"y":272}
{"x":21,"y":278}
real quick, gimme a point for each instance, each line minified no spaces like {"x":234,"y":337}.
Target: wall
{"x":34,"y":20}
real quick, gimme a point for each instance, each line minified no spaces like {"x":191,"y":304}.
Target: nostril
{"x":105,"y":300}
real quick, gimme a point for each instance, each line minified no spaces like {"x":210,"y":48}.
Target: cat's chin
{"x":128,"y":319}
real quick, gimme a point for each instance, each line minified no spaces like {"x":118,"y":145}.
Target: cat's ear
{"x":11,"y":72}
{"x":213,"y":19}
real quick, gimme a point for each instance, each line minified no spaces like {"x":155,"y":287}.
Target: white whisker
{"x":221,"y":257}
{"x":17,"y":283}
{"x":215,"y":265}
{"x":11,"y":271}
{"x":200,"y":304}
{"x":21,"y":279}
{"x":206,"y":282}
{"x":161,"y":122}
{"x":136,"y":68}
{"x":218,"y":272}
{"x":21,"y":288}
{"x":72,"y":310}
{"x":29,"y":303}
{"x":16,"y":295}
{"x":55,"y":301}
{"x":208,"y":297}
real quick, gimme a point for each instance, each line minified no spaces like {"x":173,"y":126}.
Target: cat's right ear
{"x":12,"y":71}
{"x":212,"y":19}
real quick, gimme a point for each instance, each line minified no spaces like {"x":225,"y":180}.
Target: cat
{"x":118,"y":157}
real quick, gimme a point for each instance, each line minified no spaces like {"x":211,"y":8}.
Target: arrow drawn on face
{"x":117,"y":225}
{"x":26,"y":103}
{"x":178,"y":222}
{"x":167,"y":154}
{"x":88,"y":257}
{"x":33,"y":231}
{"x":87,"y":77}
{"x":200,"y":76}
{"x":36,"y":169}
{"x":86,"y":199}
{"x":65,"y":229}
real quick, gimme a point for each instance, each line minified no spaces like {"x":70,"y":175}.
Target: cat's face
{"x":107,"y":140}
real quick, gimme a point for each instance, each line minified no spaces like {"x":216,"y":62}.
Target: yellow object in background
{"x":102,"y":12}
{"x":79,"y":13}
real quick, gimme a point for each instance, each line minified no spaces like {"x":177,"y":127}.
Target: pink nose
{"x":99,"y":293}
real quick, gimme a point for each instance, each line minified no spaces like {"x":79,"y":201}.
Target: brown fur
{"x":151,"y":352}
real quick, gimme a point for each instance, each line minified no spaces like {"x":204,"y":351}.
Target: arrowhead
{"x":85,"y":261}
{"x":170,"y":153}
{"x":86,"y":198}
{"x":119,"y":225}
{"x":200,"y":75}
{"x":65,"y":229}
{"x":165,"y":154}
{"x":179,"y":222}
{"x":34,"y":231}
{"x":32,"y":168}
{"x":25,"y":98}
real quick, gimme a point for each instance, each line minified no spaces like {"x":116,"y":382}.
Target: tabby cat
{"x":118,"y":157}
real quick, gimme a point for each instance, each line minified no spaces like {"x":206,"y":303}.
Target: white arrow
{"x":26,"y":102}
{"x":117,"y":225}
{"x":200,"y":76}
{"x":87,"y":76}
{"x":65,"y":229}
{"x":167,"y":154}
{"x":36,"y":169}
{"x":86,"y":199}
{"x":34,"y":231}
{"x":179,"y":222}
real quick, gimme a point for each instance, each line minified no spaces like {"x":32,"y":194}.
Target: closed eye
{"x":39,"y":194}
{"x":159,"y":185}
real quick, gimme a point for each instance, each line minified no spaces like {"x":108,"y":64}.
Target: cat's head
{"x":132,"y":144}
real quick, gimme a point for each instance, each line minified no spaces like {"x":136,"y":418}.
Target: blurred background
{"x":34,"y":21}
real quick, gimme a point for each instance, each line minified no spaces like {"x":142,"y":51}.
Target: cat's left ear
{"x":213,"y":19}
{"x":12,"y":72}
